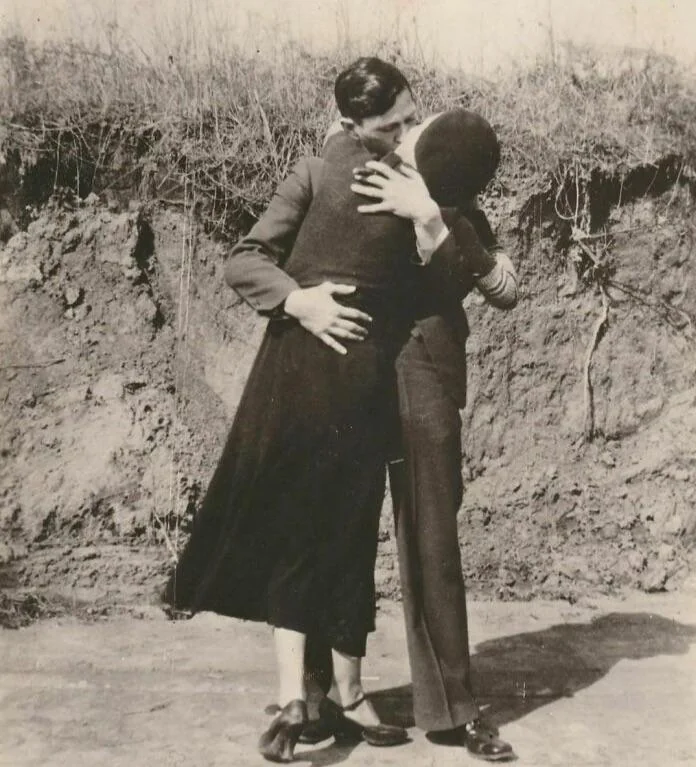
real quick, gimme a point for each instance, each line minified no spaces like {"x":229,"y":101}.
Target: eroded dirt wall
{"x":124,"y":355}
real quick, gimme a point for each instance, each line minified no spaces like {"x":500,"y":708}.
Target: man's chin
{"x":378,"y":148}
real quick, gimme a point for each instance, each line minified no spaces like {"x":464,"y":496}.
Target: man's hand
{"x":400,"y":191}
{"x":317,"y":311}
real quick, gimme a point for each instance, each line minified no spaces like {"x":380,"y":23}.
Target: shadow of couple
{"x":514,"y":675}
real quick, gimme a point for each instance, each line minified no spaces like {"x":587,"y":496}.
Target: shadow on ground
{"x":327,"y":755}
{"x":515,"y":675}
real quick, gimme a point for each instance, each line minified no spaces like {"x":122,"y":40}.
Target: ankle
{"x":350,"y":695}
{"x":362,"y":711}
{"x":334,"y":694}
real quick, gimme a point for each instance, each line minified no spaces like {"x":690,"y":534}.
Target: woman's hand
{"x":399,"y":191}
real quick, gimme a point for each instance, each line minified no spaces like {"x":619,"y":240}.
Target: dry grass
{"x":24,"y":608}
{"x":227,"y":126}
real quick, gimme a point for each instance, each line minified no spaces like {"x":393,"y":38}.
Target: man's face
{"x":407,"y":147}
{"x":381,"y":134}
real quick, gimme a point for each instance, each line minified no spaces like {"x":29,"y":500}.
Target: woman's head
{"x":456,"y":152}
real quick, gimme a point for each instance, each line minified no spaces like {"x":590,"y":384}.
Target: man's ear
{"x":348,"y":125}
{"x":335,"y":127}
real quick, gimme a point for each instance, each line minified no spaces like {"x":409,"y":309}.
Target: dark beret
{"x":457,"y":154}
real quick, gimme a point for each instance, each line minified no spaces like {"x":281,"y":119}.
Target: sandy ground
{"x":602,"y":682}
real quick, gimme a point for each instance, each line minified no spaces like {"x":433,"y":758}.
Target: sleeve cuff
{"x":426,"y":244}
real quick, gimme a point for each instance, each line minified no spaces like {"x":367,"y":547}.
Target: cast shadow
{"x":512,"y":676}
{"x":327,"y":753}
{"x":324,"y":755}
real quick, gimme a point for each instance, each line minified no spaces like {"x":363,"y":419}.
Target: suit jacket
{"x":254,"y":269}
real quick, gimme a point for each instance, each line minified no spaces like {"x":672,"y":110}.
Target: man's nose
{"x":400,"y":133}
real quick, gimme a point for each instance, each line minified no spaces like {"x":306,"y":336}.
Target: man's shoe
{"x":483,"y":742}
{"x":478,"y":737}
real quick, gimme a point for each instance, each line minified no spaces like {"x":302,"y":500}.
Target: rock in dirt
{"x":73,"y":295}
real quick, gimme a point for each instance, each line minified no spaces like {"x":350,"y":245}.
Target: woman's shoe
{"x":347,"y":730}
{"x":277,"y":744}
{"x":313,"y":732}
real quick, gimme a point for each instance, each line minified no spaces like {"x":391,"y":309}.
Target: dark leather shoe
{"x":478,"y":737}
{"x":315,"y":731}
{"x":277,"y":744}
{"x":483,"y":742}
{"x":347,"y":730}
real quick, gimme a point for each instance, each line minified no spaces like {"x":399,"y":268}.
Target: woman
{"x":287,"y":532}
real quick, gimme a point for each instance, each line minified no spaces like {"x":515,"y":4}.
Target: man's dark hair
{"x":368,"y":87}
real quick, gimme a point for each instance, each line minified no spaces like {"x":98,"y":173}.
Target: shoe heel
{"x":278,"y":743}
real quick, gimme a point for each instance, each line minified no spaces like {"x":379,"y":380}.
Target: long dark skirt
{"x":287,"y":532}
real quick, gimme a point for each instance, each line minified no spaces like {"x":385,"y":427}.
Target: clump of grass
{"x":23,"y":609}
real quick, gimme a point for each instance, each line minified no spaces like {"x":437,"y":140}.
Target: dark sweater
{"x":339,"y":244}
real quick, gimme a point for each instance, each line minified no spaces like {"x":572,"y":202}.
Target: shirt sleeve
{"x":470,"y":257}
{"x":499,"y":286}
{"x":494,"y":273}
{"x":427,"y":244}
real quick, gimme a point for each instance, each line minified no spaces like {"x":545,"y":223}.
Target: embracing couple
{"x":361,"y":263}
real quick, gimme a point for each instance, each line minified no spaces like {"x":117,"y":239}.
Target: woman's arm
{"x":470,"y":254}
{"x":459,"y":259}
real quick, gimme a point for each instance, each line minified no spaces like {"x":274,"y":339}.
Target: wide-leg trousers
{"x":427,"y":493}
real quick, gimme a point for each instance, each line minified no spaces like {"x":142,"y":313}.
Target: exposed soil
{"x":124,"y":355}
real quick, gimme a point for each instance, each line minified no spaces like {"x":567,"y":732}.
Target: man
{"x":377,"y":107}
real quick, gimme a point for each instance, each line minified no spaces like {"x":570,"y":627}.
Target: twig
{"x":598,"y":235}
{"x":579,"y":236}
{"x":34,"y":365}
{"x":597,"y":333}
{"x":675,"y":188}
{"x":167,"y":540}
{"x":150,"y":710}
{"x":55,"y":177}
{"x":656,"y":306}
{"x":267,"y":131}
{"x":45,"y":393}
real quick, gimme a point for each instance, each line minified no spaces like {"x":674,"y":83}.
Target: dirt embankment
{"x":123,"y":358}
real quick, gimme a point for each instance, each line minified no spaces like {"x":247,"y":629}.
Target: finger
{"x":382,"y":168}
{"x":348,"y":329}
{"x":367,"y":191}
{"x":372,"y":180}
{"x":378,"y":207}
{"x":348,"y":312}
{"x":333,"y":343}
{"x":369,"y":176}
{"x":339,"y":288}
{"x":409,"y":171}
{"x":348,"y":335}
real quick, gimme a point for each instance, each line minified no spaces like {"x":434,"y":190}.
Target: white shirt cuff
{"x":426,"y":245}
